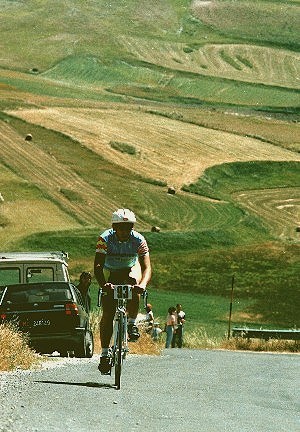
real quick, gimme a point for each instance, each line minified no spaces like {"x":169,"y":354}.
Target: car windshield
{"x":40,"y":293}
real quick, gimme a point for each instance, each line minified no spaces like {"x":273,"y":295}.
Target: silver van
{"x":33,"y":267}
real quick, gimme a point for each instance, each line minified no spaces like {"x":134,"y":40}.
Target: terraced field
{"x":279,"y":208}
{"x":242,"y":62}
{"x":67,"y":201}
{"x":57,"y":181}
{"x":261,"y":21}
{"x":170,"y":151}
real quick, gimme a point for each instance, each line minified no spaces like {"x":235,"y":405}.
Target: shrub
{"x":71,"y":195}
{"x":123,"y":147}
{"x":14,"y":350}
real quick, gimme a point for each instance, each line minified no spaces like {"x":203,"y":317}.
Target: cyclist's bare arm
{"x":146,"y":270}
{"x":98,"y":268}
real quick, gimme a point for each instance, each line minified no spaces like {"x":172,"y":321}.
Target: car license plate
{"x":41,"y":322}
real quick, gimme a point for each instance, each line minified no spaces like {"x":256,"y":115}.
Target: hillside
{"x":172,"y":151}
{"x":126,"y":98}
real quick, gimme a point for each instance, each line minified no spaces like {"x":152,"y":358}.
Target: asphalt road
{"x":186,"y":390}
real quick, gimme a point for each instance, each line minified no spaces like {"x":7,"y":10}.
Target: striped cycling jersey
{"x":120,"y":255}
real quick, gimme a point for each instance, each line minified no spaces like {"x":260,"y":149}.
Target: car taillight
{"x":71,"y":309}
{"x":3,"y":316}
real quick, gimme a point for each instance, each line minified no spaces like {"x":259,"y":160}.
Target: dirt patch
{"x":246,"y":317}
{"x":200,"y":3}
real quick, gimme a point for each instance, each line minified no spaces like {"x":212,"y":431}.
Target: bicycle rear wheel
{"x":119,"y":349}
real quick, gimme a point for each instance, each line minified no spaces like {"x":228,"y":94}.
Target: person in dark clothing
{"x":85,"y":280}
{"x":177,"y":339}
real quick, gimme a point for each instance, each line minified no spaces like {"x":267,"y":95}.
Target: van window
{"x":10,"y":275}
{"x":39,"y":274}
{"x":21,"y":294}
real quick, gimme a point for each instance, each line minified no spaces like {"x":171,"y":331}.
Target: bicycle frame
{"x":119,"y":349}
{"x":122,"y":293}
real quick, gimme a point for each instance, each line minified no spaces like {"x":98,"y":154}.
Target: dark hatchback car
{"x":52,"y":314}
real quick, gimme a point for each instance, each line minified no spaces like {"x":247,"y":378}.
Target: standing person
{"x":170,"y":325}
{"x":118,"y":252}
{"x":180,"y":320}
{"x":85,"y":280}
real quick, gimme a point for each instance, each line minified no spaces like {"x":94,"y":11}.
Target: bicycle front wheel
{"x":119,"y":349}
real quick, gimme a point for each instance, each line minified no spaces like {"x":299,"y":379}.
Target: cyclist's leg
{"x":133,"y":306}
{"x":106,"y":323}
{"x":132,"y":311}
{"x":106,"y":329}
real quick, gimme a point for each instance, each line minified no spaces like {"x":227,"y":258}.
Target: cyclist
{"x":118,"y":252}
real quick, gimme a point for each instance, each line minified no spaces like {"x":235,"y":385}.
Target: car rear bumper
{"x":66,"y":341}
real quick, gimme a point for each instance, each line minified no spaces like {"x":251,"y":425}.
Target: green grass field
{"x":125,"y":98}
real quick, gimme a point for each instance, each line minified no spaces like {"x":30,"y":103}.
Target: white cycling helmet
{"x":123,"y":216}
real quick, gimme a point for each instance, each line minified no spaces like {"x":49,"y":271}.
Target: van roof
{"x":34,"y":256}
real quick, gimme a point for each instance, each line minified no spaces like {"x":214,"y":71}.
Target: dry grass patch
{"x":272,"y":345}
{"x":199,"y":339}
{"x":14,"y":350}
{"x":145,"y":344}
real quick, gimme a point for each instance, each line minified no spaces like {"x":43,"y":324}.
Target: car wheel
{"x":89,"y":344}
{"x":85,"y":347}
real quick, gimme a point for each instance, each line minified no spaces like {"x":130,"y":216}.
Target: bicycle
{"x":119,"y":349}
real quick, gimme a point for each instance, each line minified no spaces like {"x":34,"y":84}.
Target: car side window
{"x":10,"y":275}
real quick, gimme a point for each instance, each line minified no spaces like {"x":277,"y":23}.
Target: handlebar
{"x":122,"y":292}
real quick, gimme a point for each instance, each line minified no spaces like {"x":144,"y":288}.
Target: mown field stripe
{"x":53,"y":177}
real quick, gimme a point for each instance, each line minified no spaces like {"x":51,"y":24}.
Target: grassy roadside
{"x":16,"y":354}
{"x":14,"y":350}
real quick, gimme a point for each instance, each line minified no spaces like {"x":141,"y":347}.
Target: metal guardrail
{"x":249,"y":333}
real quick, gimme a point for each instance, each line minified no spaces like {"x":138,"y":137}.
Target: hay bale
{"x":171,"y":191}
{"x":155,"y":229}
{"x":28,"y":137}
